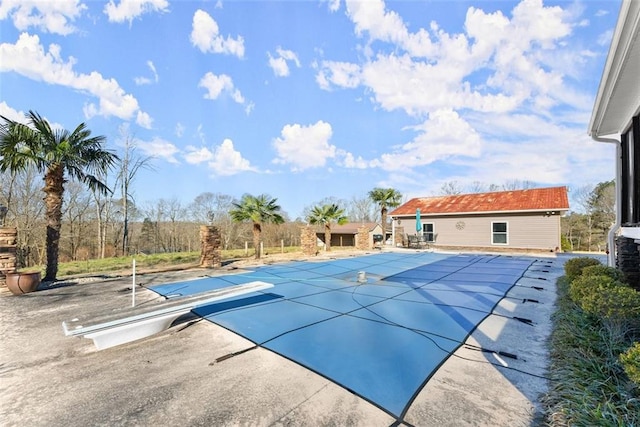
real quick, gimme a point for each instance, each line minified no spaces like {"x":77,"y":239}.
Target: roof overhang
{"x":551,"y":211}
{"x":618,"y":98}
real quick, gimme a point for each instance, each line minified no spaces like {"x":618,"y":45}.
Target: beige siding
{"x":525,"y":231}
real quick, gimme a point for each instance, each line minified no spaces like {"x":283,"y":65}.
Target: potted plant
{"x":23,"y":282}
{"x":17,"y":282}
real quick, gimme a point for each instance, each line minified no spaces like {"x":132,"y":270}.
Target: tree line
{"x":82,"y":217}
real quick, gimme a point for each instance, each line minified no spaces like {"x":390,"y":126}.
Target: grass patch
{"x":161,"y":260}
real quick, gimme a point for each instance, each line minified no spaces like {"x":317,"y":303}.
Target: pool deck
{"x":173,"y":378}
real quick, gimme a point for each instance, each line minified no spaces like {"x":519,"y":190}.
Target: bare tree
{"x":174,"y":212}
{"x":218,"y":205}
{"x":516,"y":184}
{"x":103,"y":204}
{"x":128,"y":166}
{"x":582,"y":195}
{"x":76,"y":212}
{"x":362,"y":209}
{"x":478,"y":187}
{"x":450,"y":188}
{"x":22,"y":195}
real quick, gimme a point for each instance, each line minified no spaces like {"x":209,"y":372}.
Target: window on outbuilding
{"x":427,"y":232}
{"x":499,"y":233}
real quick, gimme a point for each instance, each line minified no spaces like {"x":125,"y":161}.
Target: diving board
{"x":137,"y":323}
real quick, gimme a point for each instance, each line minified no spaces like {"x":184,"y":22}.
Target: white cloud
{"x":343,"y":74}
{"x":159,"y":148}
{"x":28,"y":58}
{"x":179,"y":130}
{"x":205,"y":35}
{"x":605,"y":38}
{"x":146,"y":80}
{"x":381,"y":25}
{"x":351,"y":162}
{"x":224,"y":160}
{"x":128,"y":10}
{"x":279,"y":64}
{"x":199,"y":133}
{"x":50,"y":16}
{"x":144,"y":120}
{"x":249,"y":107}
{"x":443,"y":135}
{"x":333,"y":5}
{"x":11,"y":114}
{"x":227,"y":161}
{"x":217,"y":84}
{"x":196,"y":156}
{"x":534,"y":148}
{"x":304,"y":147}
{"x":498,"y":64}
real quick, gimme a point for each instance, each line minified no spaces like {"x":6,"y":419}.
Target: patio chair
{"x":413,"y":241}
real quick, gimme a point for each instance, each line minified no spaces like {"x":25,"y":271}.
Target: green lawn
{"x":144,"y":262}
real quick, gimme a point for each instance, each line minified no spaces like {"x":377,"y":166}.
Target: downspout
{"x":611,"y":236}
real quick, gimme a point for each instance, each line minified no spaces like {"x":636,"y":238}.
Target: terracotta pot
{"x":22,"y":283}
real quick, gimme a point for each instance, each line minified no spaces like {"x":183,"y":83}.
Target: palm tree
{"x":327,"y":214}
{"x":258,"y":210}
{"x":385,"y":198}
{"x":54,"y":153}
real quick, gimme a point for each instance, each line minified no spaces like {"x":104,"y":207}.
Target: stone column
{"x":8,"y":242}
{"x":364,"y":240}
{"x":210,"y":247}
{"x":399,"y":236}
{"x":308,"y":240}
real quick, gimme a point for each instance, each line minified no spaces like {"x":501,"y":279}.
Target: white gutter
{"x":611,"y":236}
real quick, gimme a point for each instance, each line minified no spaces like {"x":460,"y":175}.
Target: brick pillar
{"x":399,"y":237}
{"x":364,"y":241}
{"x":8,"y":242}
{"x":308,"y":240}
{"x":210,"y":247}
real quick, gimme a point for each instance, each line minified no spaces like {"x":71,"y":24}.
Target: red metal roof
{"x":533,"y":199}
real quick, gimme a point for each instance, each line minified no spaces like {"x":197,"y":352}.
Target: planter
{"x":22,"y":283}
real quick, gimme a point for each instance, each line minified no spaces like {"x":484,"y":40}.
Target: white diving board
{"x":118,"y":328}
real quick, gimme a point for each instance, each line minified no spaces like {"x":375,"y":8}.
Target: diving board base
{"x":133,"y":331}
{"x":134,"y":324}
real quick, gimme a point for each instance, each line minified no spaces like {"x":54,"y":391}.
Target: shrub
{"x":573,"y":267}
{"x":618,"y":302}
{"x":588,"y":385}
{"x":603,"y":270}
{"x":631,"y":362}
{"x":584,"y":286}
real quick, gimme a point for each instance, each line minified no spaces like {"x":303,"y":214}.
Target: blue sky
{"x":305,"y":100}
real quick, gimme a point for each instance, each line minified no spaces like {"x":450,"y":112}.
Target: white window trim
{"x":507,"y":233}
{"x":433,"y":233}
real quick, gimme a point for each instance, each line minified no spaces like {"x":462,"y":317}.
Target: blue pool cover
{"x":381,"y":339}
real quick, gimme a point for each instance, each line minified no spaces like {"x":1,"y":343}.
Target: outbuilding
{"x":519,"y":219}
{"x":363,"y":235}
